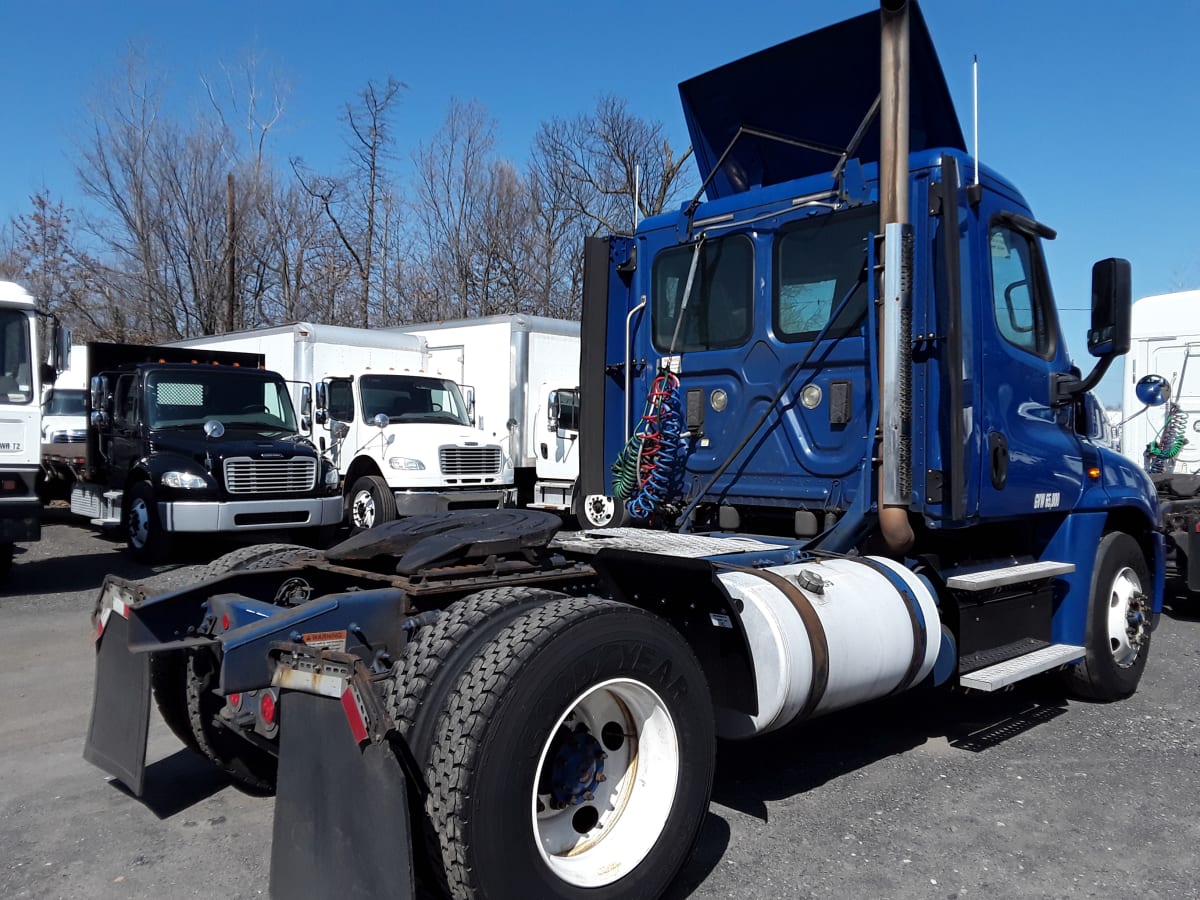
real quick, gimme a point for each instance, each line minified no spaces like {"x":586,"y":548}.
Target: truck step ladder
{"x":1013,"y":670}
{"x":1006,"y":575}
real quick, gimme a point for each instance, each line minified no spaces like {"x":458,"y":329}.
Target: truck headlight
{"x":185,"y":480}
{"x":403,"y":462}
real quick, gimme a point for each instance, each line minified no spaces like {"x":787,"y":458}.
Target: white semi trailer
{"x":1165,"y":343}
{"x":400,"y":433}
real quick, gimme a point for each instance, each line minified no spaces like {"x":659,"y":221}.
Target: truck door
{"x":556,"y":443}
{"x":1031,"y":457}
{"x":126,"y":445}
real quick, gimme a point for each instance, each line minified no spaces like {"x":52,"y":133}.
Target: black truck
{"x":193,"y":441}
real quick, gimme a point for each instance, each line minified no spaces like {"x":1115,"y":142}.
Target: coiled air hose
{"x":1170,"y":440}
{"x":647,"y":465}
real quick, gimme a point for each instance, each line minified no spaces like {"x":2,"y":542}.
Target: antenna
{"x":637,"y":188}
{"x":975,"y":85}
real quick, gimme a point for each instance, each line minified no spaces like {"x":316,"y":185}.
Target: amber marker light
{"x":1094,"y":473}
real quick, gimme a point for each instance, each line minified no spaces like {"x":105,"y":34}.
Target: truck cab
{"x":25,"y":344}
{"x":208,"y":445}
{"x":407,"y":444}
{"x":759,"y":375}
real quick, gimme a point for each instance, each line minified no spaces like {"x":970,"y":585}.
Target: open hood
{"x":816,"y":88}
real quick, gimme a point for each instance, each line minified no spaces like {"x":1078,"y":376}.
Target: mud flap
{"x":341,"y":808}
{"x":116,"y":736}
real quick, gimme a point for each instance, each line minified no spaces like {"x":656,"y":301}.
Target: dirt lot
{"x":1024,"y":794}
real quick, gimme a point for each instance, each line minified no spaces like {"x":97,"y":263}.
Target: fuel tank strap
{"x":812,"y":624}
{"x":915,"y":617}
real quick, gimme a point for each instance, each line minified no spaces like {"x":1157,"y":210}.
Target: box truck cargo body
{"x":524,"y":374}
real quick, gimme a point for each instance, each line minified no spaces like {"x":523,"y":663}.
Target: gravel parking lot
{"x":1024,"y":794}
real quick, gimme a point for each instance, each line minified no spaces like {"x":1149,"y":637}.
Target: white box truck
{"x":400,"y":434}
{"x":524,"y":374}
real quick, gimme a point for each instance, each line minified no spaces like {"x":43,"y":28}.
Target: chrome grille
{"x":469,"y":460}
{"x":74,"y":436}
{"x":244,"y":475}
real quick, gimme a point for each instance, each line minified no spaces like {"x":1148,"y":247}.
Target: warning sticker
{"x":326,"y":640}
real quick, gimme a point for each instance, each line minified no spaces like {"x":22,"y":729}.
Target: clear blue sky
{"x":1094,"y":117}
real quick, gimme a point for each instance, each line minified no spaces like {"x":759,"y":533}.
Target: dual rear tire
{"x":583,"y":724}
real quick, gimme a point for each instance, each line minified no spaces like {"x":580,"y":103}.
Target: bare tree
{"x":351,"y":202}
{"x":598,"y":162}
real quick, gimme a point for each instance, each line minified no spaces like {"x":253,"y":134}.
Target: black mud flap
{"x":116,"y":737}
{"x":341,"y":809}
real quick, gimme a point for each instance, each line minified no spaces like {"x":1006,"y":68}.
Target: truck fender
{"x":688,"y":595}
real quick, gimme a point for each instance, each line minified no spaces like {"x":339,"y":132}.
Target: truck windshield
{"x":16,"y":361}
{"x":406,"y":398}
{"x":238,"y":398}
{"x":65,"y":402}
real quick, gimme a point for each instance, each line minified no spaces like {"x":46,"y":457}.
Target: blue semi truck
{"x":833,"y":393}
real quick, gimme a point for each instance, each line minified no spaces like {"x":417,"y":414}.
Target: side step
{"x":1006,"y":575}
{"x":1013,"y":670}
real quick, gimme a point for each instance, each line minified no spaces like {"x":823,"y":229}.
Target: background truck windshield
{"x":66,"y":402}
{"x":238,"y":398}
{"x":405,"y":398}
{"x":16,"y":368}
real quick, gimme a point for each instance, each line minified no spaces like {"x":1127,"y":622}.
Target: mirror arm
{"x":1066,"y":385}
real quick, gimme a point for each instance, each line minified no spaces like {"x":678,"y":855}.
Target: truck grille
{"x":244,"y":475}
{"x":74,"y":436}
{"x":469,"y":460}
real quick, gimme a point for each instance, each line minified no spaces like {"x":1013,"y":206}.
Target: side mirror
{"x":99,"y":419}
{"x":380,"y":420}
{"x":338,"y":430}
{"x":99,"y":391}
{"x":1112,"y":306}
{"x":1153,"y":390}
{"x":47,"y":374}
{"x":213,"y":429}
{"x":62,"y":348}
{"x":552,"y":412}
{"x":322,"y":401}
{"x":306,"y":400}
{"x":470,"y":398}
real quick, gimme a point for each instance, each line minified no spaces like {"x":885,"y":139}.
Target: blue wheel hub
{"x":576,"y":769}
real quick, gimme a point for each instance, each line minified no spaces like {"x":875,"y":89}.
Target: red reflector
{"x":266,"y":706}
{"x":9,"y":484}
{"x":225,"y":621}
{"x":235,"y":700}
{"x":358,"y":727}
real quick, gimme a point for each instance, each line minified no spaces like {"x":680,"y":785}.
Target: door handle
{"x":998,"y":455}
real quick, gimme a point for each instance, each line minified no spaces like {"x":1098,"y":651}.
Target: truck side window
{"x":817,"y":263}
{"x":341,"y":400}
{"x":123,"y":409}
{"x":1016,"y":298}
{"x":720,"y":308}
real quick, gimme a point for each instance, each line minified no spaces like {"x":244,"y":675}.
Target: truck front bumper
{"x":250,"y":515}
{"x":416,"y":503}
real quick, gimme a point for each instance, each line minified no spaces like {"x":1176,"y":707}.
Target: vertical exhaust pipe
{"x":895,"y":347}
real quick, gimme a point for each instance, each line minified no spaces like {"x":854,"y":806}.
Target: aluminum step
{"x":1006,"y":575}
{"x":1013,"y":670}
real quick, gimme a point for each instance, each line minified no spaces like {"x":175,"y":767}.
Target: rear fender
{"x":687,"y":594}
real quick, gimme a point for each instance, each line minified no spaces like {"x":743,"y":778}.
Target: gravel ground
{"x":1022,"y":795}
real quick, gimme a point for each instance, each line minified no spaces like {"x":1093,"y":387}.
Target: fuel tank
{"x":828,"y":634}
